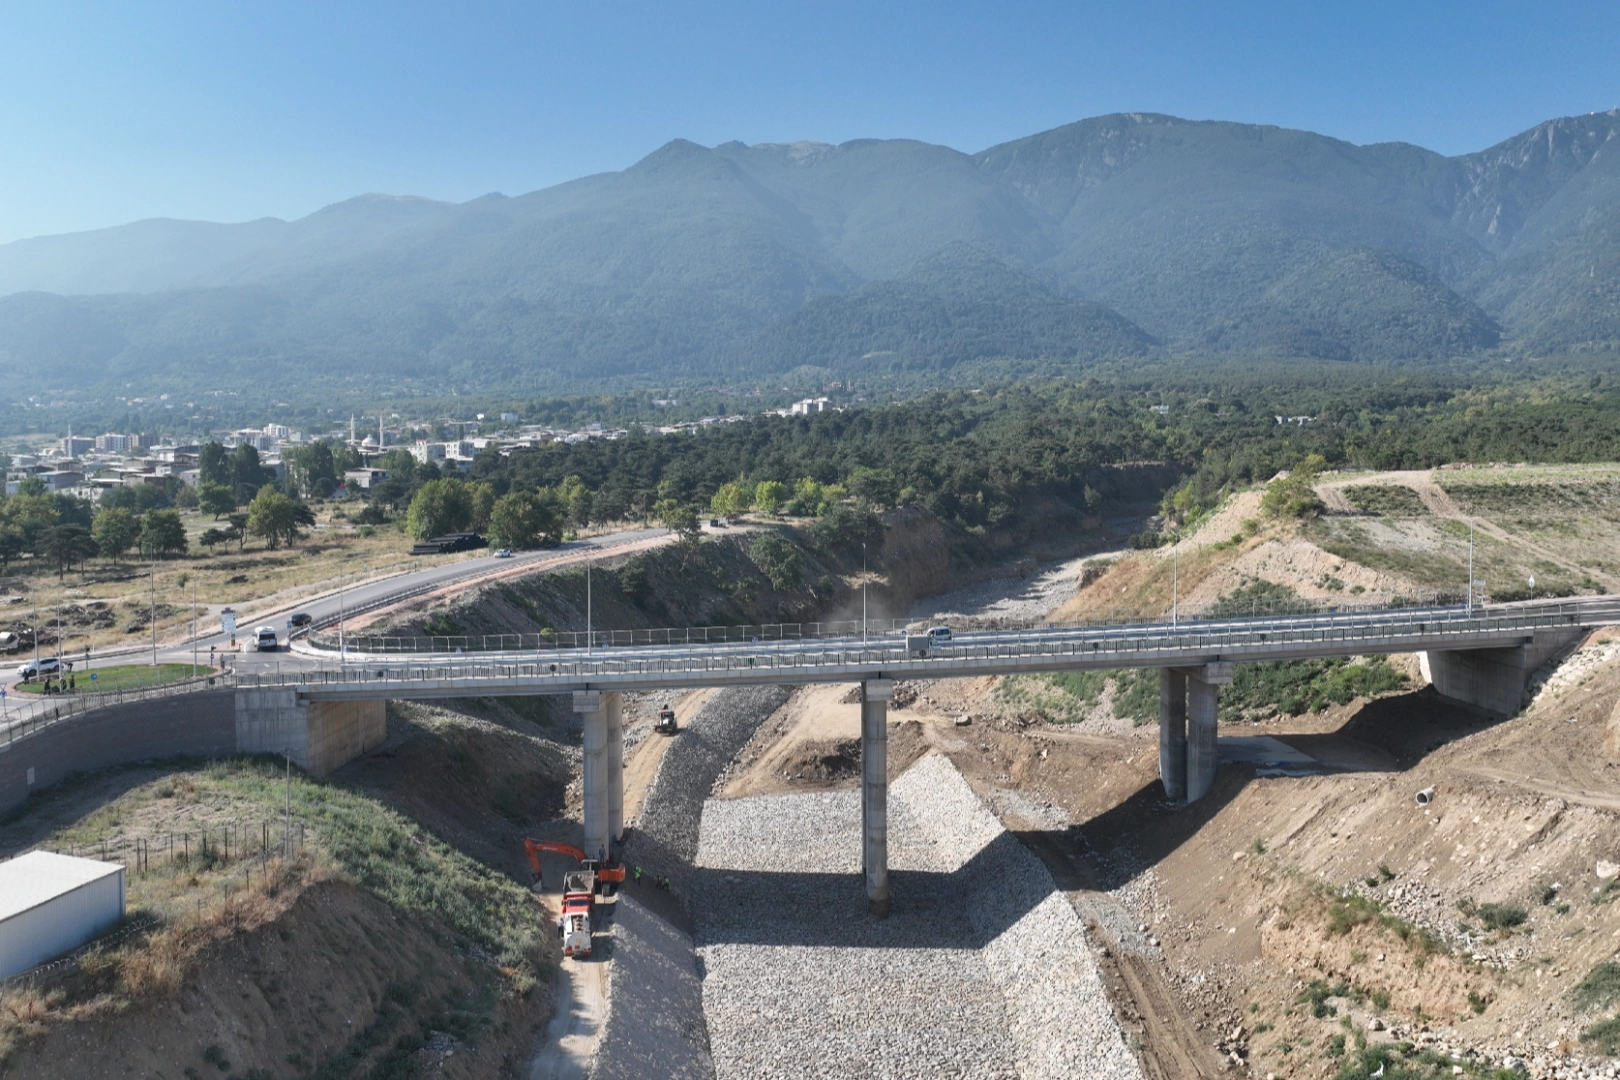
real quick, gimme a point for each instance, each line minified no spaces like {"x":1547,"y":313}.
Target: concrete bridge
{"x":1481,"y":656}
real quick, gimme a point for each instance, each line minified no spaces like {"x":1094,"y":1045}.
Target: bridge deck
{"x":970,"y":654}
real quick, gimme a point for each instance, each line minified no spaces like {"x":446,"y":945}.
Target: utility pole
{"x":286,"y":834}
{"x":1470,"y":566}
{"x":863,"y":592}
{"x":194,"y":629}
{"x":36,"y":635}
{"x":151,"y":578}
{"x":343,"y":648}
{"x":590,"y":636}
{"x":1175,"y":584}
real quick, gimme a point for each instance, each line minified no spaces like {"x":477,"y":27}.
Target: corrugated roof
{"x":32,"y":879}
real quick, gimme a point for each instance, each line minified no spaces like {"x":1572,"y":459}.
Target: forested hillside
{"x":1107,"y":237}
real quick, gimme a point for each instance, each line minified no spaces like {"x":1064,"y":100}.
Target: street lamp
{"x":590,"y":636}
{"x":863,"y":592}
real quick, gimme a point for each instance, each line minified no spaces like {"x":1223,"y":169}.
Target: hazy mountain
{"x":1089,"y":240}
{"x":957,"y":305}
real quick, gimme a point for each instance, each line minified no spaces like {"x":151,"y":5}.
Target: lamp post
{"x":151,"y":579}
{"x":1175,"y":584}
{"x":590,"y":636}
{"x":863,"y":592}
{"x":1470,"y":566}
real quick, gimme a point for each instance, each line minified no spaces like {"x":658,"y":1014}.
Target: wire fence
{"x":231,"y":845}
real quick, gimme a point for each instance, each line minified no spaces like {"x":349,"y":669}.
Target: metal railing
{"x":1140,"y":645}
{"x":327,"y":639}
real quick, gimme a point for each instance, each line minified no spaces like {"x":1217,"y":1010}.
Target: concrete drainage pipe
{"x":1425,"y":797}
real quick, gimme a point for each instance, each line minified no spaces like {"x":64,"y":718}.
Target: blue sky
{"x":111,"y":112}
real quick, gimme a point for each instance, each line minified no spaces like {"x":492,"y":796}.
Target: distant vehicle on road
{"x":939,"y":635}
{"x":667,"y":724}
{"x":45,"y":665}
{"x":299,"y":618}
{"x":266,"y":639}
{"x":504,"y":553}
{"x":714,"y":523}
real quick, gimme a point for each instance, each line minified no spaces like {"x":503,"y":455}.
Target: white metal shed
{"x":51,"y":904}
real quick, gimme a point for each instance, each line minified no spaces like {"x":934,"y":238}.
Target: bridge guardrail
{"x":1140,"y":646}
{"x":325,"y":638}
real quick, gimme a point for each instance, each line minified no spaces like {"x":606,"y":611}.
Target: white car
{"x":266,"y":640}
{"x":504,"y":553}
{"x":45,"y":665}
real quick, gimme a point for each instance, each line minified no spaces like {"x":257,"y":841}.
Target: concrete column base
{"x":875,"y":697}
{"x":1203,"y":689}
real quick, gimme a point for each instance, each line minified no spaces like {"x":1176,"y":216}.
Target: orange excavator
{"x":579,"y":891}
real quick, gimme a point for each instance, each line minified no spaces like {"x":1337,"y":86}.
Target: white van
{"x":267,"y":639}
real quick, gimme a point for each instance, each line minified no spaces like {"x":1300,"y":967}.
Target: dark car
{"x":299,"y":618}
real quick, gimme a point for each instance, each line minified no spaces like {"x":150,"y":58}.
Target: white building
{"x":51,"y":904}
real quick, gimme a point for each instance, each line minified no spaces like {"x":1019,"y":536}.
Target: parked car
{"x":504,"y":553}
{"x":714,"y":523}
{"x":45,"y":665}
{"x":299,"y":618}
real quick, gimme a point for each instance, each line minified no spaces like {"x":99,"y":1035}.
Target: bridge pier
{"x":594,"y":707}
{"x":320,"y":736}
{"x":875,"y":697}
{"x":1188,"y":703}
{"x":614,"y":701}
{"x":1173,"y":734}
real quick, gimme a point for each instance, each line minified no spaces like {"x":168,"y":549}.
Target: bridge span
{"x":1481,"y":655}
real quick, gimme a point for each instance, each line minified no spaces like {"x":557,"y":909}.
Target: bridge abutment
{"x":320,"y":736}
{"x":875,"y":697}
{"x":1494,"y":679}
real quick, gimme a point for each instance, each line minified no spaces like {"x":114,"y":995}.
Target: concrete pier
{"x":614,"y":701}
{"x":875,"y":697}
{"x":1202,"y":703}
{"x":1173,"y":734}
{"x":591,"y":707}
{"x":319,"y":736}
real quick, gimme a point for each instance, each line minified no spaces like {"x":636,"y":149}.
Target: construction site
{"x":1381,"y":881}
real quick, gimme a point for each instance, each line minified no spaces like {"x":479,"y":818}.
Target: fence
{"x":547,"y":641}
{"x":208,"y":847}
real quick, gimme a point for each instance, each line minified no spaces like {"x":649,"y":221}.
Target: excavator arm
{"x":533,"y":848}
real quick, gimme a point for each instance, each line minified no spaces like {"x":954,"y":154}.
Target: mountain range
{"x":1113,"y":237}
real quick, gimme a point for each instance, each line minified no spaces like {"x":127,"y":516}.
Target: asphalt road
{"x":368,"y":594}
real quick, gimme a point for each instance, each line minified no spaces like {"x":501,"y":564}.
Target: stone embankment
{"x":981,"y":970}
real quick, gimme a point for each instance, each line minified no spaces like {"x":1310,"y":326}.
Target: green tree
{"x":30,"y":515}
{"x":64,"y":545}
{"x":525,"y":519}
{"x":237,"y":530}
{"x":212,"y":537}
{"x":732,"y":500}
{"x":312,"y":469}
{"x":115,"y":531}
{"x":769,"y":496}
{"x":277,"y":518}
{"x":11,"y":546}
{"x":248,"y":474}
{"x":481,"y":500}
{"x":162,"y":533}
{"x":213,"y":465}
{"x":216,"y":499}
{"x":680,"y":519}
{"x":440,"y":507}
{"x":576,"y":500}
{"x":875,"y":486}
{"x":1294,"y":495}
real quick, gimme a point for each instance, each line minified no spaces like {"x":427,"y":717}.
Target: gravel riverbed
{"x":981,"y":970}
